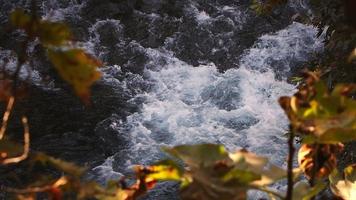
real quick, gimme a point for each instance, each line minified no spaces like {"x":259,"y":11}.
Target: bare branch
{"x":61,"y":181}
{"x":5,"y":118}
{"x":26,"y":145}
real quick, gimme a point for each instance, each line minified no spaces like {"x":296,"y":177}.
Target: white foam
{"x":238,"y":108}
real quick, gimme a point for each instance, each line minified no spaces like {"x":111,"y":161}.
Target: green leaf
{"x":258,"y":165}
{"x":199,"y":155}
{"x":213,"y":173}
{"x":242,"y":176}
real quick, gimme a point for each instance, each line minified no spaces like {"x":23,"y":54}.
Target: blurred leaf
{"x":265,"y":7}
{"x":213,"y":173}
{"x":199,"y":155}
{"x":352,"y":56}
{"x":49,"y":33}
{"x":340,"y":128}
{"x":165,"y":170}
{"x":320,"y":116}
{"x":343,"y":89}
{"x":251,"y":162}
{"x":242,"y":176}
{"x":323,"y":154}
{"x":303,"y":191}
{"x":20,"y":19}
{"x":53,"y":33}
{"x":67,"y":167}
{"x":344,"y":185}
{"x":77,"y":68}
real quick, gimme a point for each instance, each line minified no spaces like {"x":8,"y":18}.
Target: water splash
{"x":237,"y":108}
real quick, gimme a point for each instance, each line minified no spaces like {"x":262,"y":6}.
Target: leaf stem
{"x":290,"y":164}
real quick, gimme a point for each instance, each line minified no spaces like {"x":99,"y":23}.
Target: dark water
{"x":196,"y":72}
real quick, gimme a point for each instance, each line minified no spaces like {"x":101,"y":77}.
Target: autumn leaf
{"x":77,"y":68}
{"x":318,"y":160}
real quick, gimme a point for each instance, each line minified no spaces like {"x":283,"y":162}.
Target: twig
{"x":60,"y":182}
{"x":5,"y":118}
{"x":315,"y":167}
{"x":26,"y":145}
{"x":290,"y":165}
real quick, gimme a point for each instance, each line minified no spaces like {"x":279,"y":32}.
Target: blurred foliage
{"x":265,"y":7}
{"x":324,"y":120}
{"x":344,"y":185}
{"x":74,"y":65}
{"x":320,"y":116}
{"x":77,"y":68}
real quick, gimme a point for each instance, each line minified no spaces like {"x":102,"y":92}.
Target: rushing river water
{"x":199,"y":80}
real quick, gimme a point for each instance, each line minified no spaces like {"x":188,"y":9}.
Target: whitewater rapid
{"x":179,"y":103}
{"x":237,"y":108}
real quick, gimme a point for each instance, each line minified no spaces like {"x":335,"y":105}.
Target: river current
{"x":199,"y":80}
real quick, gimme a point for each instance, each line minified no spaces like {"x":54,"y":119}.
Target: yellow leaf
{"x":77,"y":68}
{"x":313,"y":110}
{"x":164,"y":172}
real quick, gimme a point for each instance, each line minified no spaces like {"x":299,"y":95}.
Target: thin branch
{"x":290,"y":165}
{"x":60,"y":182}
{"x":26,"y":145}
{"x":5,"y":118}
